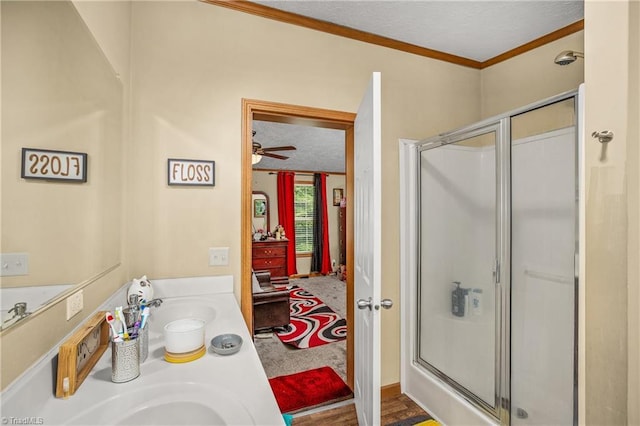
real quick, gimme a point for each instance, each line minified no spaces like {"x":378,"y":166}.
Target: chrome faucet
{"x":154,"y":303}
{"x":19,"y":311}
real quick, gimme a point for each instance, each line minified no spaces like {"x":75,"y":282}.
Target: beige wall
{"x":606,"y":86}
{"x":109,"y":22}
{"x":193,"y":63}
{"x":633,"y":167}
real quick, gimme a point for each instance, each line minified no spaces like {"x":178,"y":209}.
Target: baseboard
{"x":389,"y":391}
{"x":309,"y":275}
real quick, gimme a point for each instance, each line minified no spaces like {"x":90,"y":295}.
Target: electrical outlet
{"x":14,"y":264}
{"x":74,"y":304}
{"x":219,"y":256}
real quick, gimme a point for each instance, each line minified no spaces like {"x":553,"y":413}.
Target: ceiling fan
{"x":259,"y":151}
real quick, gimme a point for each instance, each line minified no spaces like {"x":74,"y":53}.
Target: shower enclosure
{"x":494,"y":212}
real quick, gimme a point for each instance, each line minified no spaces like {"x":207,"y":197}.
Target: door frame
{"x":294,"y":114}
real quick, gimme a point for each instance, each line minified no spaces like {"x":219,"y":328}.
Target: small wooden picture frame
{"x":80,"y":353}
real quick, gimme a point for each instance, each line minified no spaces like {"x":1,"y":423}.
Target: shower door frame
{"x":501,"y":274}
{"x":501,"y":124}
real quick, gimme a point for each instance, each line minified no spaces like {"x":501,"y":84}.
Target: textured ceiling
{"x":474,"y":29}
{"x":478,"y":30}
{"x":317,"y":149}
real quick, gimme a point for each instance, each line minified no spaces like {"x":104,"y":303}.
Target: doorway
{"x":307,"y":116}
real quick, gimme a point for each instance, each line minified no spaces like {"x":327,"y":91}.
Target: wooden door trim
{"x":295,"y":114}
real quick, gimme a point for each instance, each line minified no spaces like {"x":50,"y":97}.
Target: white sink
{"x":169,"y":404}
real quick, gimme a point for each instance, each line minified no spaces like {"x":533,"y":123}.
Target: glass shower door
{"x":543,"y":248}
{"x":497,"y":282}
{"x":459,"y":315}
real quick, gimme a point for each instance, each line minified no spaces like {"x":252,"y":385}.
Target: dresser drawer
{"x":270,"y":256}
{"x":269,"y":251}
{"x":267,"y":262}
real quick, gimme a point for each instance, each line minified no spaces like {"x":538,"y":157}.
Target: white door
{"x":367,"y":229}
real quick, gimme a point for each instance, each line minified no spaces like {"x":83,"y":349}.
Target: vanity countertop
{"x":233,"y":389}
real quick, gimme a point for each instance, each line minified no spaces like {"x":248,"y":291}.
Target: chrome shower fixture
{"x":567,"y":57}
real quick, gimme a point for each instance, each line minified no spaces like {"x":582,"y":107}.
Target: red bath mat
{"x":312,"y":323}
{"x":308,"y":389}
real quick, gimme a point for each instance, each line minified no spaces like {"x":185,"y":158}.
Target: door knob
{"x":386,"y":303}
{"x":364,"y":304}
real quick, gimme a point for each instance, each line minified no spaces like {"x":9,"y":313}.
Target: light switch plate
{"x":75,"y":303}
{"x":219,"y":256}
{"x":14,"y":264}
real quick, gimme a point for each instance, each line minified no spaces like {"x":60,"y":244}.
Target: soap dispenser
{"x":458,"y":300}
{"x":476,"y":301}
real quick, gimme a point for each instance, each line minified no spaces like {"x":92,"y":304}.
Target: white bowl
{"x":184,"y":335}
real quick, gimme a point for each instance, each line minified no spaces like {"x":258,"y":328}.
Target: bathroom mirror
{"x":59,"y":93}
{"x":260,"y":211}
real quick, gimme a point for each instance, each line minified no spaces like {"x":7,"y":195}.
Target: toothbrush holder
{"x":143,"y":344}
{"x":125,"y":360}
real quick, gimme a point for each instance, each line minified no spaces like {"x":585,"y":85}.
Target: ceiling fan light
{"x":255,"y":158}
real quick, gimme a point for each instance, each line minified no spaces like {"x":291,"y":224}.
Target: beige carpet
{"x":279,"y":359}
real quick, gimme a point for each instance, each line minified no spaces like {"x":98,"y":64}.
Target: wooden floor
{"x":393,"y":409}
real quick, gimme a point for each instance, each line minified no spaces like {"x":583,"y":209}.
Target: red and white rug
{"x":312,"y":322}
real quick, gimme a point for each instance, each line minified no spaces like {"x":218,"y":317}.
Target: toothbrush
{"x":111,"y":321}
{"x":136,"y":327}
{"x":120,"y":317}
{"x":145,"y":315}
{"x":143,"y":304}
{"x":117,"y":317}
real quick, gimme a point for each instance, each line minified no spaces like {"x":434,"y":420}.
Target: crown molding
{"x":342,"y":31}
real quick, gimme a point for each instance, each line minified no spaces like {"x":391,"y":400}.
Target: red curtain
{"x":286,"y":216}
{"x":326,"y":256}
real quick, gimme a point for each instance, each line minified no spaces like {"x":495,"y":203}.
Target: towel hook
{"x":603,"y":136}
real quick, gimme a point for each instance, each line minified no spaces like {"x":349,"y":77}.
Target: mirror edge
{"x":59,"y":298}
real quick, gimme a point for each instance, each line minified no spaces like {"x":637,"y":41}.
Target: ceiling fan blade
{"x":279,"y":157}
{"x":279,"y":148}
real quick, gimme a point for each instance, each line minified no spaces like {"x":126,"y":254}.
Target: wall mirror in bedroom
{"x":60,"y":93}
{"x":260,"y":208}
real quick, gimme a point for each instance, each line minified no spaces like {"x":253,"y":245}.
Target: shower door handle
{"x":364,"y":304}
{"x":386,"y":303}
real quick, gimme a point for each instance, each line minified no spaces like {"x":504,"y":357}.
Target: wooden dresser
{"x":270,"y":255}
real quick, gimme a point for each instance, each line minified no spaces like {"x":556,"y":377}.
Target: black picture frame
{"x":54,"y":165}
{"x":185,"y":172}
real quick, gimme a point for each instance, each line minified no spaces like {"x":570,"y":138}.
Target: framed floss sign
{"x":191,"y":172}
{"x":54,"y":165}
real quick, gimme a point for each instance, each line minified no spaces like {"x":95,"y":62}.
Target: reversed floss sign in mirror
{"x":54,"y":165}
